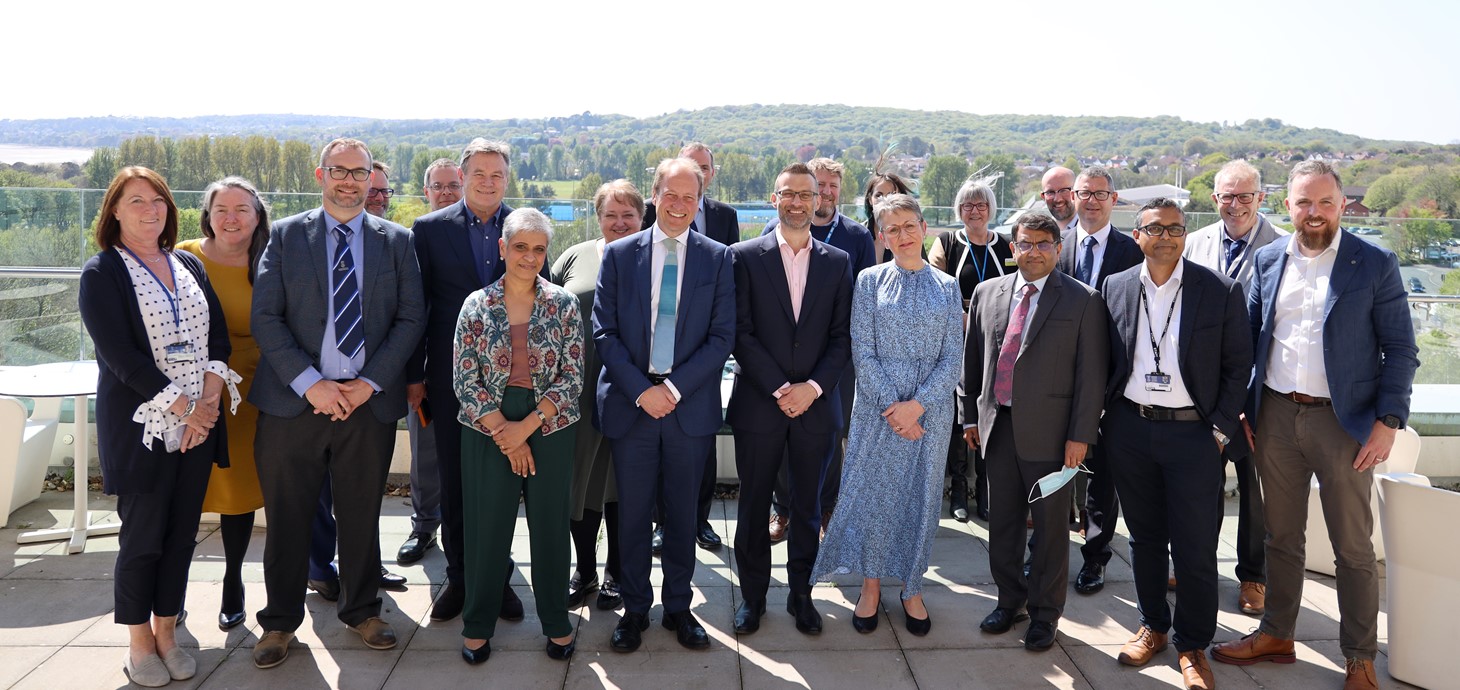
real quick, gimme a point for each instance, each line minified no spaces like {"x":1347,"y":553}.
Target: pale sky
{"x":1377,"y":69}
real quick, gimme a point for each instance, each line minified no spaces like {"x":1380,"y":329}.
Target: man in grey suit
{"x":1227,"y":247}
{"x":337,"y":311}
{"x":1035,"y":363}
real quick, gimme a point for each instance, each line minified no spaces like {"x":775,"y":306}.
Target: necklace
{"x":153,"y":261}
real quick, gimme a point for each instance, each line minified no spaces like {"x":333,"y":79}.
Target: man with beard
{"x":1335,"y":359}
{"x":793,"y":300}
{"x":1058,"y":192}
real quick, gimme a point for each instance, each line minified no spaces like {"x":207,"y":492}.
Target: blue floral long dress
{"x":907,"y":343}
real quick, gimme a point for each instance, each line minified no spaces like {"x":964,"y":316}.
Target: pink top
{"x":521,"y":374}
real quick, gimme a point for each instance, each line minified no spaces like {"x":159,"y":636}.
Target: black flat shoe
{"x":229,"y":621}
{"x":864,"y":625}
{"x":609,"y":596}
{"x":629,"y":633}
{"x":706,"y":538}
{"x":414,"y":548}
{"x":449,"y":602}
{"x":1001,"y":620}
{"x":747,"y":617}
{"x":656,"y":542}
{"x":511,"y":605}
{"x":579,"y":587}
{"x":1039,"y":636}
{"x":389,"y":580}
{"x":917,"y":626}
{"x":1091,"y":578}
{"x":689,"y":631}
{"x":329,"y":589}
{"x":561,"y":652}
{"x":808,"y":620}
{"x":478,"y":655}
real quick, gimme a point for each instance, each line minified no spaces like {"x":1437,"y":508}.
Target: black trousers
{"x":1102,"y":506}
{"x":444,"y":409}
{"x":1011,"y":477}
{"x":296,"y":455}
{"x":831,"y":484}
{"x":1251,"y":527}
{"x":759,"y":458}
{"x":159,"y":531}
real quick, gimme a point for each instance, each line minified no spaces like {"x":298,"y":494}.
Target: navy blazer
{"x":291,"y":303}
{"x":703,"y":337}
{"x":724,"y":222}
{"x":772,"y":347}
{"x":1121,"y":252}
{"x":127,"y":376}
{"x":1368,"y":340}
{"x":1214,"y":353}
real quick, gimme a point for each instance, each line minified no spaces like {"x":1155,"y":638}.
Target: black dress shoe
{"x":609,"y":596}
{"x":1001,"y":620}
{"x":1039,"y":636}
{"x":959,"y":513}
{"x":329,"y":589}
{"x":629,"y":633}
{"x":656,"y":543}
{"x":478,"y":655}
{"x":706,"y":538}
{"x":561,"y":652}
{"x":747,"y":617}
{"x":579,"y":587}
{"x":389,"y":580}
{"x":229,"y":621}
{"x":983,"y":513}
{"x":511,"y":605}
{"x":449,"y":602}
{"x":864,"y":625}
{"x":415,"y":547}
{"x":808,"y":620}
{"x":1091,"y":579}
{"x":689,"y":631}
{"x":917,"y":626}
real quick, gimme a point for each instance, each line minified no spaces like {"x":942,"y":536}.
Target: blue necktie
{"x":349,"y":331}
{"x":1087,"y":262}
{"x":1234,"y":250}
{"x":662,"y":356}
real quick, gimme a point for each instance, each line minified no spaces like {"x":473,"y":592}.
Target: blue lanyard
{"x":962,"y":235}
{"x":835,"y":222}
{"x":171,"y":298}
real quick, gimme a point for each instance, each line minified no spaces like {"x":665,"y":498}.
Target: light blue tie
{"x":662,"y":357}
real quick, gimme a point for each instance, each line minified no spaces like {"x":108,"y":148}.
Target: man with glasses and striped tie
{"x":664,"y":324}
{"x":337,"y":310}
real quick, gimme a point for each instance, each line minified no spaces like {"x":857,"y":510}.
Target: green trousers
{"x":490,"y":493}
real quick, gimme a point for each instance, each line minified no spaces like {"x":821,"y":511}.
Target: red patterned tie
{"x":1004,"y":372}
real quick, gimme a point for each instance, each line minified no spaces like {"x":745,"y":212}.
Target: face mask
{"x":1054,"y":481}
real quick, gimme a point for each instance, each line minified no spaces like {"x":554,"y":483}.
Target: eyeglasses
{"x":1043,"y":246}
{"x":1163,"y":230}
{"x":908,"y":229}
{"x":1101,"y":195}
{"x":438,"y":187}
{"x":338,"y":173}
{"x":1243,"y":198}
{"x":1052,"y":193}
{"x":386,"y":192}
{"x":981,"y":207}
{"x":803,"y":196}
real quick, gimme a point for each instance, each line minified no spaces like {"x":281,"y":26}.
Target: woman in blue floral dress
{"x":907,"y":346}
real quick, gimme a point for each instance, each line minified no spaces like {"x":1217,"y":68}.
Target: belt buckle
{"x":1147,"y":412}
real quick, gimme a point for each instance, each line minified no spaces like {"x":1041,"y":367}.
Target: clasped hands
{"x":903,"y":418}
{"x":338,"y":399}
{"x":658,"y":401}
{"x":511,"y":439}
{"x":203,"y":418}
{"x":796,"y":398}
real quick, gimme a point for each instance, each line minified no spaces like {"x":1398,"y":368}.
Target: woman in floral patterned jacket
{"x":519,"y":372}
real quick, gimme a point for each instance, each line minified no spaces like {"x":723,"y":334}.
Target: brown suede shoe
{"x":1139,"y":650}
{"x":1360,"y":675}
{"x":1196,"y":673}
{"x":376,"y":633}
{"x":1252,"y":600}
{"x":777,"y":528}
{"x":1255,"y":647}
{"x":272,"y":649}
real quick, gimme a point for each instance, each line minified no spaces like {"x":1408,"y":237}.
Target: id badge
{"x":1158,"y":382}
{"x":180,"y":352}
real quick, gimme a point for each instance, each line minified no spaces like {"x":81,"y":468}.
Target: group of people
{"x":1039,"y":355}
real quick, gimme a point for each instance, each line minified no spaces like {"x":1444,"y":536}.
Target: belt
{"x":656,"y":379}
{"x":1304,"y":399}
{"x":1157,"y":413}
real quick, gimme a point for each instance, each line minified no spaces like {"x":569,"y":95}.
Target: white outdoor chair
{"x":25,"y":451}
{"x":1423,"y":578}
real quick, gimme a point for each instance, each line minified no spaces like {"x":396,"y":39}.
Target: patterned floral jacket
{"x":483,"y":352}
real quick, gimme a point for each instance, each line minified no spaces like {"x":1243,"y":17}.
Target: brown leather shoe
{"x":272,"y":649}
{"x":1360,"y":675}
{"x":1196,"y":673}
{"x":1139,"y":650}
{"x":376,"y":633}
{"x":1252,"y":599}
{"x":778,"y":528}
{"x":1256,"y":646}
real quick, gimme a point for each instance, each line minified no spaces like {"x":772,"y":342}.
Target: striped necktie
{"x":345,"y":295}
{"x":662,"y":356}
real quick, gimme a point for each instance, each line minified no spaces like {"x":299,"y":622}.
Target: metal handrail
{"x":40,"y":272}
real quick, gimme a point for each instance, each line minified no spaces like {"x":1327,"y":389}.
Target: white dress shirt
{"x":1018,"y":296}
{"x":1151,"y":319}
{"x":1295,"y":361}
{"x":1102,"y":240}
{"x":656,"y":271}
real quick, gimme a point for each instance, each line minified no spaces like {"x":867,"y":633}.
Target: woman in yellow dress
{"x":235,"y":230}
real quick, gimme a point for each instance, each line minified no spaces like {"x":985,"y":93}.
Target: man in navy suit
{"x":1335,"y":360}
{"x":1090,"y":253}
{"x":664,"y":324}
{"x":457,"y":249}
{"x":1180,"y":357}
{"x":337,"y":311}
{"x":792,"y":343}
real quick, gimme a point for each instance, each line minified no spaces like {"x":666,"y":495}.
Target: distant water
{"x":22,"y":153}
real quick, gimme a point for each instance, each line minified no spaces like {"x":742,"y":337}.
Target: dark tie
{"x":1087,"y":262}
{"x":1009,"y":353}
{"x":349,"y":331}
{"x":1234,"y":250}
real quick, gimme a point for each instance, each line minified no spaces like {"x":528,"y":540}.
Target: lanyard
{"x":981,"y":266}
{"x":835,"y":223}
{"x":171,"y":298}
{"x":1150,"y":331}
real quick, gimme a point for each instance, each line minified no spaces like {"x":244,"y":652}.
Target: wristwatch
{"x":192,"y":405}
{"x":1221,"y":437}
{"x":541,"y":417}
{"x":1391,"y":421}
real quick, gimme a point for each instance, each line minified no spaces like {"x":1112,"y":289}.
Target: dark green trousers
{"x":490,"y":493}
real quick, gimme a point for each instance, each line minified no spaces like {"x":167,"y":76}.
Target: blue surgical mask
{"x":1054,"y":481}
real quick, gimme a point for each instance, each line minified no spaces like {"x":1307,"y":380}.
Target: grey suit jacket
{"x":1059,"y":377}
{"x":291,"y":305}
{"x":1204,"y":247}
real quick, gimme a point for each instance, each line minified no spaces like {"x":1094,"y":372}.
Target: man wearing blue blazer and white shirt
{"x":1227,"y":247}
{"x":664,"y":324}
{"x":1335,"y":358}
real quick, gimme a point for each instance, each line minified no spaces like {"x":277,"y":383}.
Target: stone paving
{"x":56,"y":629}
